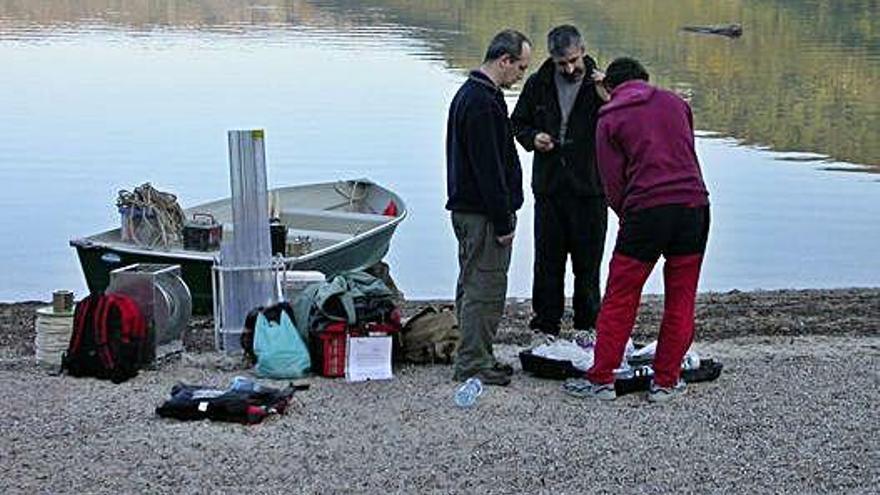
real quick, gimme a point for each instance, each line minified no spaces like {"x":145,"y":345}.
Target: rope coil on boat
{"x":150,"y":217}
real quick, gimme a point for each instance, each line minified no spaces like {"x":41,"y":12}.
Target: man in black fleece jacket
{"x":555,"y":117}
{"x":484,"y":187}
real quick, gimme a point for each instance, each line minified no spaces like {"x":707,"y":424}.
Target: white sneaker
{"x":664,"y":394}
{"x":585,"y":389}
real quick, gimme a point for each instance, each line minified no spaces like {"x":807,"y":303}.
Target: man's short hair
{"x":507,"y":42}
{"x":622,"y":70}
{"x":563,"y":37}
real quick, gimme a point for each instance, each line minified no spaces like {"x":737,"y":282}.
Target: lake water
{"x":100,"y":95}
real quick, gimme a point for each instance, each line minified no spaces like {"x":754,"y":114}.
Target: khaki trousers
{"x":481,"y":290}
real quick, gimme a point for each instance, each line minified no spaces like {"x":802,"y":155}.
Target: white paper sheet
{"x":368,"y":358}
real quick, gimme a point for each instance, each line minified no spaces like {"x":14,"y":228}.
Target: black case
{"x":560,"y":370}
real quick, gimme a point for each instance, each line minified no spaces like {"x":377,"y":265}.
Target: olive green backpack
{"x":430,"y":336}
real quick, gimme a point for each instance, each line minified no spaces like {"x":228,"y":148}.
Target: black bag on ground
{"x":196,"y":402}
{"x":109,"y":338}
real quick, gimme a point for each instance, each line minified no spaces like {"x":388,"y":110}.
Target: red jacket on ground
{"x":645,"y":150}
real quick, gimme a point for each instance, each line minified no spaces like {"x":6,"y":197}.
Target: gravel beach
{"x":795,"y":411}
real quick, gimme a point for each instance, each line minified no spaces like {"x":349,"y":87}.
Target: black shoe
{"x":503,"y":367}
{"x":490,"y":376}
{"x":538,"y":325}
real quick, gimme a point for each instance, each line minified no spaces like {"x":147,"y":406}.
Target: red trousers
{"x":617,"y":315}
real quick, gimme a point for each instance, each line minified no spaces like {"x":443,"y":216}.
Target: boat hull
{"x":98,"y":261}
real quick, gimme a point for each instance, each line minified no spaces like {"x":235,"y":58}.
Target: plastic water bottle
{"x":244,"y":384}
{"x":466,"y":395}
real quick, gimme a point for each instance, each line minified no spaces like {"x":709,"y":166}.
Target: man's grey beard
{"x":574,"y":76}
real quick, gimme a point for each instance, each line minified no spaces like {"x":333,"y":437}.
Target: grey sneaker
{"x":663,"y":394}
{"x":584,"y":389}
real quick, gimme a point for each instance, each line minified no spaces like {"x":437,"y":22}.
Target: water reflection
{"x":102,"y":95}
{"x":805,"y":76}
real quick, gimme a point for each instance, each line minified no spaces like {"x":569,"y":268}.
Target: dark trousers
{"x":566,"y":226}
{"x":679,"y":234}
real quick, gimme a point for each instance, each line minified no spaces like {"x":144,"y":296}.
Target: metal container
{"x":62,"y":301}
{"x":163,"y":298}
{"x":300,"y":245}
{"x":278,"y":236}
{"x":202,"y":233}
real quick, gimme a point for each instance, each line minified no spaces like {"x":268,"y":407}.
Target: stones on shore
{"x":718,"y":316}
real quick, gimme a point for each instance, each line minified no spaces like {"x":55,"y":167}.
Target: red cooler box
{"x":327,"y":347}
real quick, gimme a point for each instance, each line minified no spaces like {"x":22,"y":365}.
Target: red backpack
{"x":109,"y":338}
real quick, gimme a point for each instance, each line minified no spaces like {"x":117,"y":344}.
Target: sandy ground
{"x":795,"y":411}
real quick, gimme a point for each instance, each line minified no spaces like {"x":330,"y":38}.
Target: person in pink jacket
{"x":653,"y":182}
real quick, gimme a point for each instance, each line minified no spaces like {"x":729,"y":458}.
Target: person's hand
{"x":505,"y":240}
{"x":601,"y":90}
{"x":543,"y":142}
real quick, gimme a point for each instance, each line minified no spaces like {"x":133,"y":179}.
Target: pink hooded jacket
{"x":645,"y":150}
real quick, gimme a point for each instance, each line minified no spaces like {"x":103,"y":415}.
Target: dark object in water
{"x":731,"y":30}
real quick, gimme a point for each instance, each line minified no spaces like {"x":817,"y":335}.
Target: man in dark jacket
{"x":484,"y":187}
{"x":556,"y":118}
{"x":652,"y":179}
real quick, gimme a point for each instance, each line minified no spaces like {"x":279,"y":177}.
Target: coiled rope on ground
{"x":154,"y":217}
{"x":52,"y":334}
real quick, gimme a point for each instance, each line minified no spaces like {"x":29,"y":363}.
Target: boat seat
{"x":336,"y":214}
{"x":326,"y":235}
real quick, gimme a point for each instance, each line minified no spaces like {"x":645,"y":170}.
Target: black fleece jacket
{"x":483,"y":173}
{"x":570,"y":168}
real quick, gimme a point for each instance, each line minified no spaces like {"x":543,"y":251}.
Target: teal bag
{"x":281,"y":352}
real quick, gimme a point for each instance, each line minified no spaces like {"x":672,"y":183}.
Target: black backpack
{"x":109,"y":338}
